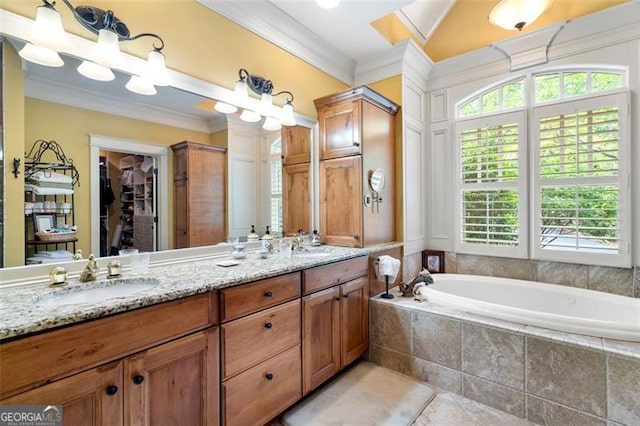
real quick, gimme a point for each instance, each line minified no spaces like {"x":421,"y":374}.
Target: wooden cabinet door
{"x":93,"y":397}
{"x":296,"y":199}
{"x":341,"y":201}
{"x":320,"y":337}
{"x":296,"y":145}
{"x":354,"y":313}
{"x":175,"y":383}
{"x":340,"y":133}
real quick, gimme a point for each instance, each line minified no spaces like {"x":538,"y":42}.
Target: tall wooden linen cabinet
{"x":199,"y":194}
{"x":357,"y":135}
{"x":296,"y":169}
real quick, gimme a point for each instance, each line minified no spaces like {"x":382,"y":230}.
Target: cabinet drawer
{"x":41,"y":358}
{"x":248,"y":298}
{"x":325,"y":276}
{"x":264,"y":391}
{"x":250,"y":340}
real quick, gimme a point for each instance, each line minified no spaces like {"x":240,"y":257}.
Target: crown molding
{"x":271,"y":23}
{"x":530,"y":48}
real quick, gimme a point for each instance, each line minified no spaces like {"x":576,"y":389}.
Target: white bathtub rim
{"x":583,"y":326}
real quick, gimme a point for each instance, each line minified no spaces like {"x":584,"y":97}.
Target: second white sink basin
{"x":97,"y":293}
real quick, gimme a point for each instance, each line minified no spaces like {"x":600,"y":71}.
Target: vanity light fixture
{"x":516,"y":14}
{"x":275,"y":117}
{"x":47,"y":39}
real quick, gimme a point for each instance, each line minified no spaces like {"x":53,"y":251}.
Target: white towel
{"x":387,"y":267}
{"x":50,"y":176}
{"x":54,"y":254}
{"x":42,"y":190}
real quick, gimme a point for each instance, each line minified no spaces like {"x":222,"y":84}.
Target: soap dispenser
{"x":253,"y":236}
{"x":267,"y":235}
{"x":315,"y":238}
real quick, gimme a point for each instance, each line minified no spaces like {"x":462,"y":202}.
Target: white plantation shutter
{"x":580,"y":181}
{"x":491,"y":213}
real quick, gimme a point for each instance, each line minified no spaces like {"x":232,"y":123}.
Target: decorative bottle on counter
{"x":253,"y":236}
{"x":267,"y":235}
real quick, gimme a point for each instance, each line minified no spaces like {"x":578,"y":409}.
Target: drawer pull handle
{"x":356,"y":143}
{"x":269,"y":376}
{"x":112,"y":390}
{"x":138,"y":379}
{"x":346,"y":295}
{"x":268,"y":293}
{"x":268,"y":325}
{"x":338,"y":299}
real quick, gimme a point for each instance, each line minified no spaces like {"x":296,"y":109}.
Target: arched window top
{"x":276,"y":146}
{"x":556,"y":85}
{"x":506,"y":96}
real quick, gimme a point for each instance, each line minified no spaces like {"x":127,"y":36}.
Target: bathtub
{"x":550,"y":306}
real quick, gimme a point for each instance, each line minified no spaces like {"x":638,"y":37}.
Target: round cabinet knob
{"x":268,"y":325}
{"x":138,"y":379}
{"x":268,"y":376}
{"x":268,"y":293}
{"x":356,"y":143}
{"x":338,"y":299}
{"x":112,"y":390}
{"x":346,"y":296}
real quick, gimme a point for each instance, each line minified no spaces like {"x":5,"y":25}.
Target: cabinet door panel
{"x":175,"y":383}
{"x":84,"y":397}
{"x":340,"y":130}
{"x":341,"y":201}
{"x":296,"y":198}
{"x":296,"y":145}
{"x":355,"y":319}
{"x":321,"y":337}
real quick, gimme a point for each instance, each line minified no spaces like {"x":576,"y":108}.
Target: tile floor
{"x":450,"y":409}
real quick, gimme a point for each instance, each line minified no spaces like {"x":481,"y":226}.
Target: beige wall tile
{"x":450,"y":262}
{"x":569,"y":375}
{"x":496,"y":396}
{"x":473,"y":265}
{"x":611,"y":280}
{"x":437,"y":375}
{"x":562,"y":273}
{"x":493,"y":354}
{"x":549,"y":414}
{"x":411,"y":266}
{"x":392,"y":360}
{"x":519,"y":269}
{"x":391,"y":327}
{"x":623,"y":404}
{"x":437,"y":339}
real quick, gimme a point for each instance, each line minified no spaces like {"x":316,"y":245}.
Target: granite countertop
{"x":21,"y":313}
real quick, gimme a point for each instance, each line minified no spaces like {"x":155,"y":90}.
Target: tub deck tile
{"x":564,"y":337}
{"x":623,"y":403}
{"x":623,"y":348}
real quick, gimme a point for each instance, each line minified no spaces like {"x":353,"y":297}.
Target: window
{"x":491,"y":209}
{"x":275,"y":187}
{"x":580,"y":185}
{"x":577,"y":190}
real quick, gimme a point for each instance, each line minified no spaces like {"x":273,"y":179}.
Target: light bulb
{"x":140,"y":86}
{"x":250,"y":116}
{"x":47,"y":30}
{"x":95,"y":71}
{"x":41,"y":55}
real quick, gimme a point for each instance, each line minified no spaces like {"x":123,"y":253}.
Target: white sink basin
{"x":93,"y":294}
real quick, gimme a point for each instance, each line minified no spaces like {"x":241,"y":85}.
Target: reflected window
{"x":275,"y":187}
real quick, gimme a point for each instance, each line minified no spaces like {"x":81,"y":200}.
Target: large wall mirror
{"x":108,"y":131}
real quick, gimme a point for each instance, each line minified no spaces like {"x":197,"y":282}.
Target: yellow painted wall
{"x":13,"y":105}
{"x":70,"y":127}
{"x":204,"y":44}
{"x":391,"y":88}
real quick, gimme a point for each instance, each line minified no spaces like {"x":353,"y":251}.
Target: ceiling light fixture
{"x":327,"y":4}
{"x":47,"y":38}
{"x":275,"y":117}
{"x":516,"y":14}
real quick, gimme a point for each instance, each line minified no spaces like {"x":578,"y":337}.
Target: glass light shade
{"x":266,"y":104}
{"x":41,"y":55}
{"x":250,"y":116}
{"x":107,"y":50}
{"x":225,"y":108}
{"x":287,"y":115}
{"x":516,"y":14}
{"x":47,"y":30}
{"x":327,"y":4}
{"x":156,"y":70}
{"x":95,"y":71}
{"x":272,"y":124}
{"x":140,"y":86}
{"x":240,"y":92}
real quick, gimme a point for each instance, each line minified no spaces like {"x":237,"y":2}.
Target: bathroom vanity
{"x":208,"y":345}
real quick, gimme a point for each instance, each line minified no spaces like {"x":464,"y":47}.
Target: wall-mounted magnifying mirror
{"x":377,"y":180}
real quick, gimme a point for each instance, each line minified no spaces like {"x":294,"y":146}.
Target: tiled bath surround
{"x":548,"y":377}
{"x":622,"y":281}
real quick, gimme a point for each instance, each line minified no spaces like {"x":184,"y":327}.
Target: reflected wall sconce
{"x":516,"y":14}
{"x":275,"y":117}
{"x":48,"y":38}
